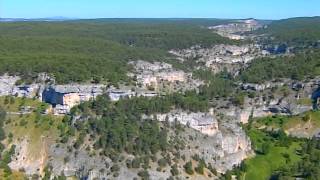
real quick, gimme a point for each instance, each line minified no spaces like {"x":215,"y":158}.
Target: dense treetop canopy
{"x":295,"y":31}
{"x":76,"y":51}
{"x":296,"y":67}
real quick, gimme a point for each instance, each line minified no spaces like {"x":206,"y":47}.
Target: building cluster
{"x":151,"y":80}
{"x":61,"y":97}
{"x":64,"y":97}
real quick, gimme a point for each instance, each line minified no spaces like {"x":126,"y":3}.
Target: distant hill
{"x":295,"y":31}
{"x":58,"y":18}
{"x":79,"y":50}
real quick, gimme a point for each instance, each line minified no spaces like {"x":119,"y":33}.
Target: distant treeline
{"x":76,"y":51}
{"x":294,"y":31}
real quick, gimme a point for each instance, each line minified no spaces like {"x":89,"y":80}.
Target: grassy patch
{"x":33,"y":130}
{"x":13,"y":104}
{"x":16,"y":175}
{"x":262,"y":166}
{"x":35,"y":127}
{"x":307,"y":122}
{"x":305,"y":101}
{"x":282,"y":150}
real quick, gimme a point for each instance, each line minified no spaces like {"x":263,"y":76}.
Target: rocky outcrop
{"x":79,"y":164}
{"x":9,"y":87}
{"x":61,"y":97}
{"x":225,"y":149}
{"x":225,"y":144}
{"x":220,"y":57}
{"x":236,"y":30}
{"x":26,"y":160}
{"x":260,"y":87}
{"x":161,"y":76}
{"x":203,"y":122}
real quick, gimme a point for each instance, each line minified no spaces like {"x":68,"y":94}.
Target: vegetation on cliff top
{"x":304,"y":31}
{"x":295,"y":67}
{"x":76,"y":51}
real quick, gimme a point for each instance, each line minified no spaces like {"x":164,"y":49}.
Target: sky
{"x":260,"y":9}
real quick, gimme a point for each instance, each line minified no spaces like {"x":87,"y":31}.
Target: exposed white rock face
{"x":147,"y":66}
{"x":23,"y":158}
{"x":239,"y":26}
{"x":261,"y":87}
{"x":151,"y":74}
{"x":231,"y":160}
{"x":159,"y":76}
{"x":227,"y":148}
{"x":123,"y":92}
{"x":7,"y":84}
{"x":227,"y":144}
{"x":221,"y":56}
{"x":236,"y":29}
{"x":235,"y":144}
{"x":45,"y":78}
{"x":242,"y":115}
{"x":234,"y":140}
{"x":8,"y":87}
{"x":78,"y":164}
{"x":222,"y":53}
{"x":147,"y":80}
{"x":117,"y":94}
{"x":278,"y":103}
{"x":28,"y":91}
{"x":203,"y":122}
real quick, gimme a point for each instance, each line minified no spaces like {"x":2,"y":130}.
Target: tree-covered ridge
{"x":295,"y":31}
{"x":69,"y":59}
{"x":299,"y":66}
{"x":76,"y":51}
{"x":118,"y":127}
{"x":164,"y":34}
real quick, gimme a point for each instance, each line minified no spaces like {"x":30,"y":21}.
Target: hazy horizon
{"x":169,"y":18}
{"x":174,"y":9}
